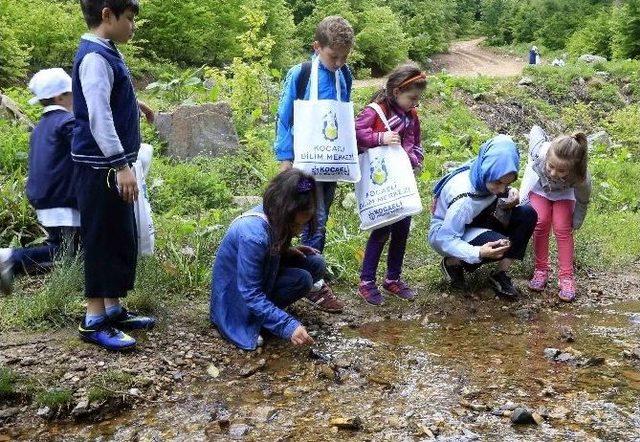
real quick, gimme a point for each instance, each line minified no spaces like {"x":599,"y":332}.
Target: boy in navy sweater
{"x":106,"y":140}
{"x":50,"y":182}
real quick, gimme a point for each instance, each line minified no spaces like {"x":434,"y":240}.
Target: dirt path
{"x":467,"y":59}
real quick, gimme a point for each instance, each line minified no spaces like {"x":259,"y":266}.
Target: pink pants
{"x":560,"y":215}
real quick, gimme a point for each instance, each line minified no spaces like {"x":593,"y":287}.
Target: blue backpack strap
{"x":348,"y":78}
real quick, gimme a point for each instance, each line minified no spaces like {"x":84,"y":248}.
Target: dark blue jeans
{"x":41,"y":258}
{"x":296,"y":278}
{"x":325,"y":193}
{"x":519,"y":231}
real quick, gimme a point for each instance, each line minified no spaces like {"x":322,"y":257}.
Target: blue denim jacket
{"x":283,"y":146}
{"x":244,"y":272}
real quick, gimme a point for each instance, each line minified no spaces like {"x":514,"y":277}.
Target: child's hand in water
{"x":301,"y":337}
{"x":390,"y":137}
{"x":495,"y":249}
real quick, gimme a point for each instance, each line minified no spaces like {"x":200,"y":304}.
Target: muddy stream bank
{"x":451,"y":369}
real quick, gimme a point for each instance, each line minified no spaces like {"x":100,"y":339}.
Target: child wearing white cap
{"x":50,"y":182}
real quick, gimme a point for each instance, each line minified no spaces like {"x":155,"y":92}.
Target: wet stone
{"x":325,"y":372}
{"x":264,"y":413}
{"x":522,"y":416}
{"x":239,"y":431}
{"x":551,"y":353}
{"x":347,"y":423}
{"x":567,"y":334}
{"x":81,"y":408}
{"x":252,"y":369}
{"x":44,"y":412}
{"x":565,"y":357}
{"x":9,"y":412}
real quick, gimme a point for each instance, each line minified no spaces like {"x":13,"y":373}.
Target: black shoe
{"x":503,"y":286}
{"x":127,"y":320}
{"x":454,"y":274}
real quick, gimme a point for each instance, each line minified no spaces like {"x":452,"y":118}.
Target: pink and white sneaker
{"x":539,"y":280}
{"x":567,"y":288}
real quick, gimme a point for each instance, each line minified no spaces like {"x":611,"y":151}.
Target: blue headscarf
{"x":498,"y":157}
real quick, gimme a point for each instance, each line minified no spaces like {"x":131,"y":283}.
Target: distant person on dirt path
{"x":50,"y":183}
{"x":534,"y":55}
{"x":106,"y":140}
{"x":557,"y":183}
{"x":257,"y":273}
{"x":476,"y":218}
{"x":397,"y":101}
{"x":333,"y":41}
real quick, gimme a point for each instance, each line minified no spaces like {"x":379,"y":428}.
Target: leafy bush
{"x":14,"y":148}
{"x":429,"y":29}
{"x":51,"y":29}
{"x":192,"y":32}
{"x":14,"y":56}
{"x":381,"y":41}
{"x":186,"y":188}
{"x":626,"y":37}
{"x":593,"y":38}
{"x":624,"y":126}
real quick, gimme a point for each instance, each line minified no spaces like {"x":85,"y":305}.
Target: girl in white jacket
{"x":475,"y":219}
{"x":557,"y":183}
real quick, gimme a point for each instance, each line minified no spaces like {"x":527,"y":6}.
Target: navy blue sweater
{"x":51,"y":171}
{"x":124,"y":108}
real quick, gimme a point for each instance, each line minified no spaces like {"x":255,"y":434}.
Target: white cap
{"x":49,"y":83}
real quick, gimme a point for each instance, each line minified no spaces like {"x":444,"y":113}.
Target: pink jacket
{"x":370,"y":129}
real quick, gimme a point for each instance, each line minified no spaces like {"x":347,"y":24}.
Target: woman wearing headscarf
{"x":476,"y":218}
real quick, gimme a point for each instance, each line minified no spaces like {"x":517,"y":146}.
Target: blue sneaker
{"x":106,"y":336}
{"x":127,"y":320}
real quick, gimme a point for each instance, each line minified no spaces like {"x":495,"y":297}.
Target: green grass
{"x":109,"y":384}
{"x":54,"y":398}
{"x":192,"y":207}
{"x":8,"y":380}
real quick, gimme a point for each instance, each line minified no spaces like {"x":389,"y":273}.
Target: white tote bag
{"x":324,"y":135}
{"x":387,"y":191}
{"x":142,"y":208}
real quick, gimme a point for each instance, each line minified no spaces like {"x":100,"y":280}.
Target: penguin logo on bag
{"x":378,"y":171}
{"x":330,"y":126}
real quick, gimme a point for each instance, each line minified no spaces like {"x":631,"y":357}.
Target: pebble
{"x":81,"y":408}
{"x":9,"y":412}
{"x":559,"y":413}
{"x":522,"y":416}
{"x":326,"y":372}
{"x":565,"y":357}
{"x":249,"y":370}
{"x":551,"y":353}
{"x":239,"y":431}
{"x":348,"y":423}
{"x":567,"y":334}
{"x":264,"y":413}
{"x":44,"y":412}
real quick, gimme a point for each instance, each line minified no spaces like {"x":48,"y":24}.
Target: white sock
{"x":317,"y":286}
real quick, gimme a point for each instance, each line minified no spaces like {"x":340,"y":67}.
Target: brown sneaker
{"x":325,"y":300}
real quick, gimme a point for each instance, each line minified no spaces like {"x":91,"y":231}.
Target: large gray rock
{"x":590,"y":58}
{"x":203,"y":130}
{"x":601,"y":137}
{"x":10,"y":110}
